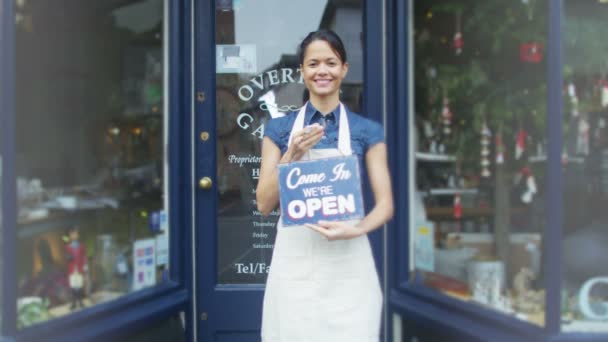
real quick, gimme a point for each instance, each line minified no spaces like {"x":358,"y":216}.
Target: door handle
{"x":205,"y":183}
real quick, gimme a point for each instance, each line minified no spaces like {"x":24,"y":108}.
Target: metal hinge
{"x":203,"y":316}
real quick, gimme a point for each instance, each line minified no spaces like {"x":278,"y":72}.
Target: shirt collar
{"x":311,"y":113}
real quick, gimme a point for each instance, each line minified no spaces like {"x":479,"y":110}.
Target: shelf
{"x":425,"y":156}
{"x":447,"y":213}
{"x":452,"y":191}
{"x":89,"y":301}
{"x":543,"y":158}
{"x":56,"y":219}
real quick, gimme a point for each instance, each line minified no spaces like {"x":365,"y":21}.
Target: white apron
{"x":319,"y":290}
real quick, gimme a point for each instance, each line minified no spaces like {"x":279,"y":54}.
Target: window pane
{"x":257,"y":79}
{"x":479,"y":126}
{"x":585,"y":182}
{"x":90,"y":123}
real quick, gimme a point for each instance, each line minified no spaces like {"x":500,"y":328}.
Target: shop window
{"x":479,"y":132}
{"x":585,"y":167}
{"x":91,"y":117}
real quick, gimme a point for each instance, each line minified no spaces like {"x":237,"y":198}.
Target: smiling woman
{"x":295,"y":141}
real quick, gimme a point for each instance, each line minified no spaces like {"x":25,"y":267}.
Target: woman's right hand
{"x":303,"y":140}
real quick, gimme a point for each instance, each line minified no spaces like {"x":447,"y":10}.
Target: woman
{"x":323,"y":284}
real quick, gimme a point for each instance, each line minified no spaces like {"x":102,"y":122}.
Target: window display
{"x":585,"y":187}
{"x":479,"y":135}
{"x":91,"y":117}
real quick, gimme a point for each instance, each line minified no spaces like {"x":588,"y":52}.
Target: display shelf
{"x":90,"y":301}
{"x":534,"y":318}
{"x":28,"y":228}
{"x":426,"y":156}
{"x":543,"y":158}
{"x":452,"y":191}
{"x":444,"y":213}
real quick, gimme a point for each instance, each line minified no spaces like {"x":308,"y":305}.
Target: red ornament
{"x":458,"y":43}
{"x":520,"y":143}
{"x":457,"y":207}
{"x":531,"y":52}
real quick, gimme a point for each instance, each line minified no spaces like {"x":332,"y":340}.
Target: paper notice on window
{"x":162,"y":241}
{"x":144,"y":265}
{"x":235,"y":59}
{"x":424,"y":246}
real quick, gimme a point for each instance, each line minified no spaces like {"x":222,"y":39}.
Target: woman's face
{"x":323,"y":71}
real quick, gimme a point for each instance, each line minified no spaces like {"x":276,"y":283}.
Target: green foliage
{"x":488,"y":81}
{"x":35,"y":311}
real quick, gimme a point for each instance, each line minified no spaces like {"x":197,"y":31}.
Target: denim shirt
{"x":364,"y":133}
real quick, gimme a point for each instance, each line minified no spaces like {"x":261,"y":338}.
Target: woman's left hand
{"x":333,"y":230}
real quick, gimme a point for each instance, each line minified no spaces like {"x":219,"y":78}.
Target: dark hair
{"x":330,"y":37}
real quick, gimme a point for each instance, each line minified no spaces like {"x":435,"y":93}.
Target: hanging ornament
{"x":528,"y":195}
{"x":429,"y":132}
{"x":573,"y":99}
{"x":531,"y":52}
{"x":457,"y":209}
{"x":486,"y":134}
{"x":446,"y":115}
{"x":520,"y":143}
{"x":582,"y":137}
{"x":458,"y":41}
{"x":529,"y":8}
{"x":500,"y":150}
{"x":604,"y":93}
{"x":485,"y":151}
{"x":598,"y":137}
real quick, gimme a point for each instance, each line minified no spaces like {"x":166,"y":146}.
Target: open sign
{"x":322,"y":189}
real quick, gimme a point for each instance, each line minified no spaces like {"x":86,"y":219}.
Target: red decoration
{"x":458,"y":40}
{"x":457,"y":207}
{"x":531,"y":52}
{"x":520,"y":144}
{"x":500,"y":149}
{"x":458,"y":43}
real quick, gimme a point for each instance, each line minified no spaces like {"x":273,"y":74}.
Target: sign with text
{"x":322,"y":189}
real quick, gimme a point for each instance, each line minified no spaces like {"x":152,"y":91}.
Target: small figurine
{"x":76,"y":256}
{"x":522,"y":282}
{"x":527,"y":300}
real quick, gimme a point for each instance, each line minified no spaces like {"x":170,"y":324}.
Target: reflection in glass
{"x":90,"y":124}
{"x":258,"y":78}
{"x":480,"y":141}
{"x":585,"y":187}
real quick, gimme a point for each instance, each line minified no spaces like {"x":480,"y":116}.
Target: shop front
{"x":130,"y":141}
{"x":131,"y":135}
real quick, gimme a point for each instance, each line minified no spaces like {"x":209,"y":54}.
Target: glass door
{"x":256,"y":78}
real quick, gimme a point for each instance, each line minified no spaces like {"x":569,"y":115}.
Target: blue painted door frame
{"x":222,"y":312}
